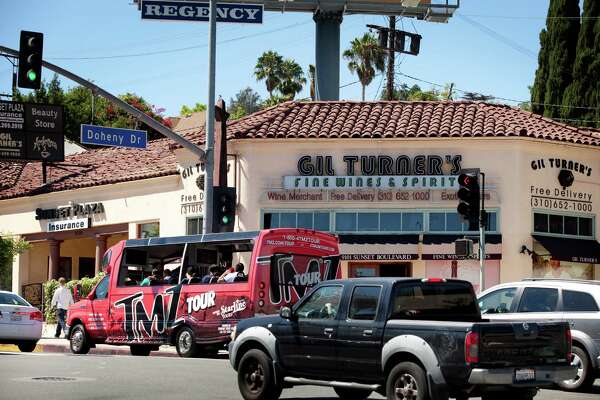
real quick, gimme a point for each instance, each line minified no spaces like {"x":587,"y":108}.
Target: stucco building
{"x":382,"y":175}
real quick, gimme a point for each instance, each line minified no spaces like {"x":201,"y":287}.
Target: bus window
{"x":208,"y":262}
{"x":138,"y":264}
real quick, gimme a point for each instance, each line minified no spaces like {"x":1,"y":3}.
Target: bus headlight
{"x":233,"y":331}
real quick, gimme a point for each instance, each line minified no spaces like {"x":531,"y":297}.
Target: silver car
{"x":20,"y":322}
{"x":575,"y":301}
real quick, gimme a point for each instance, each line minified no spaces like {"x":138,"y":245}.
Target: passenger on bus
{"x":154,"y":279}
{"x":213,"y":275}
{"x":235,"y":276}
{"x":191,"y":276}
{"x":167,"y":277}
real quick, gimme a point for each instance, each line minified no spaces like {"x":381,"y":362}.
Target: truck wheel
{"x":255,"y":377}
{"x":28,"y":346}
{"x":78,"y":340}
{"x":185,"y":343}
{"x":352,"y":394}
{"x":584,"y":377}
{"x":140,"y":350}
{"x":407,"y":381}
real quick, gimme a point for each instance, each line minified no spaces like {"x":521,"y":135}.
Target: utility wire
{"x":151,"y":53}
{"x":526,"y":17}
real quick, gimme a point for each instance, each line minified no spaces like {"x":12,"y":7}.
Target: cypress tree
{"x":584,"y":90}
{"x":562,"y":42}
{"x":538,"y":90}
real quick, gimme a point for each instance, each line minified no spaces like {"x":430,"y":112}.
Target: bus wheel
{"x":140,"y":350}
{"x":185,"y":343}
{"x":78,"y":340}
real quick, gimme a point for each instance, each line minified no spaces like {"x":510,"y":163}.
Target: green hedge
{"x":86,"y":286}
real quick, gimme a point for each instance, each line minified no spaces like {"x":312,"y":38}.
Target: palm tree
{"x":292,"y":78}
{"x":365,"y":57}
{"x":268,"y":68}
{"x":311,"y":74}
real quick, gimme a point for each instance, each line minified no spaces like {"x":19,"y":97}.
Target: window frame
{"x":513,"y":305}
{"x":377,"y":308}
{"x":562,"y":298}
{"x":557,"y":308}
{"x":547,"y":213}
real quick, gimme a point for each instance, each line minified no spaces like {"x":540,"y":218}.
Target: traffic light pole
{"x":210,"y":121}
{"x":482,"y":223}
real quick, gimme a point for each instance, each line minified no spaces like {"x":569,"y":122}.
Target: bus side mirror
{"x":286,"y":313}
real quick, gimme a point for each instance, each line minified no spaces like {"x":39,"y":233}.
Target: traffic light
{"x":223,"y":208}
{"x":30,"y":59}
{"x":469,"y":197}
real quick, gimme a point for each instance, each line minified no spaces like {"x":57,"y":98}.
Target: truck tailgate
{"x":522,"y":343}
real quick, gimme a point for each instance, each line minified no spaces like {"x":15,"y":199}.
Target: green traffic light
{"x":31,"y":75}
{"x":225,"y":219}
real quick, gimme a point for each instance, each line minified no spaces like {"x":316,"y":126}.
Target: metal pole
{"x":157,"y":126}
{"x":482,"y":222}
{"x":210,"y":120}
{"x":391,"y":59}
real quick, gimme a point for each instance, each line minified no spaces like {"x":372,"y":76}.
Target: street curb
{"x":100,"y":350}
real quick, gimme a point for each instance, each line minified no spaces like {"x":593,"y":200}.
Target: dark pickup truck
{"x":414,"y":339}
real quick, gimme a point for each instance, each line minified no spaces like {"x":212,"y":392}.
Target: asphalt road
{"x":97,"y":377}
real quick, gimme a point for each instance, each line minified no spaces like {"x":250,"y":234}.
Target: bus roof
{"x":228,"y":237}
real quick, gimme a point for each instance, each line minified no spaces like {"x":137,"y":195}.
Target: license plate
{"x":15,"y":317}
{"x":524,"y":374}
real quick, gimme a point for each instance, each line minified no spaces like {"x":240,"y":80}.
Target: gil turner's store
{"x":380,"y":175}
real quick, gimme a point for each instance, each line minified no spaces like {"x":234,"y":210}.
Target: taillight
{"x":472,"y":348}
{"x":569,"y":339}
{"x":429,"y":280}
{"x":36,"y":315}
{"x":261,"y":285}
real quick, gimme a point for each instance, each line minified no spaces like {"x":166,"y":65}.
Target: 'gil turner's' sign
{"x":194,"y":11}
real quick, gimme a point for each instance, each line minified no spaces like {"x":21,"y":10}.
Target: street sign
{"x":116,"y":137}
{"x":32,"y":146}
{"x":196,"y":11}
{"x":19,"y":116}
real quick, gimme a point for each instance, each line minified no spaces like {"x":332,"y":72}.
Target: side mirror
{"x":286,"y":313}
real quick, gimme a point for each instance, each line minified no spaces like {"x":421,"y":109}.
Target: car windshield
{"x":12,"y":300}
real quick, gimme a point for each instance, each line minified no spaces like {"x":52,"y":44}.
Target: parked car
{"x":405,"y":338}
{"x":575,"y":301}
{"x":20,"y":322}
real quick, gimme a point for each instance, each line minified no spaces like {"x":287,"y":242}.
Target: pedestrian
{"x":61,"y":299}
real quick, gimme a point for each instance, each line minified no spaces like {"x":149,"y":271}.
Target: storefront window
{"x":368,"y":222}
{"x":454,"y":223}
{"x":391,"y":222}
{"x":345,"y":222}
{"x":322,"y":222}
{"x":305,"y":220}
{"x":149,"y":230}
{"x":194,"y":226}
{"x":287,"y":220}
{"x":563,"y":224}
{"x":412,"y":222}
{"x":437,"y":222}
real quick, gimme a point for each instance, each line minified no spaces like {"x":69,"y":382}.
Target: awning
{"x":574,"y":250}
{"x":442,"y":239}
{"x":379,"y":239}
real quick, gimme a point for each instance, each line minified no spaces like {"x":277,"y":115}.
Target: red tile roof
{"x":301,"y":120}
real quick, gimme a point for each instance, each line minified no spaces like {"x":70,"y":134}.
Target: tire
{"x":525,"y":394}
{"x":407,"y":381}
{"x":585,"y":377}
{"x":140,"y":350}
{"x":185,"y":343}
{"x":79,"y":341}
{"x":28,"y":346}
{"x":255,"y":377}
{"x":352,"y":394}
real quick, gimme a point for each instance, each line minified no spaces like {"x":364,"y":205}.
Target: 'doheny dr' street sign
{"x":199,"y":11}
{"x":115,"y":137}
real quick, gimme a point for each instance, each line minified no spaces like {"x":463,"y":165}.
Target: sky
{"x":489,"y":47}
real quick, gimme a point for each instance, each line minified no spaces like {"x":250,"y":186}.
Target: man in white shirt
{"x":229,"y":276}
{"x":61,"y":299}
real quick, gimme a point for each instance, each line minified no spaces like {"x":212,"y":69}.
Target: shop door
{"x":65,"y":267}
{"x":396,"y":270}
{"x":87,"y":266}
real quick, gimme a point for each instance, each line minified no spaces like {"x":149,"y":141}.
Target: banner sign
{"x":196,"y":11}
{"x":372,"y":182}
{"x":68,"y":225}
{"x":378,"y":257}
{"x":32,"y":146}
{"x":116,"y":137}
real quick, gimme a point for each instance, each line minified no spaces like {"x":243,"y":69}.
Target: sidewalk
{"x":49,"y":344}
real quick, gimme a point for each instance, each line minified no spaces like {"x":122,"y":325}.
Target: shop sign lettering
{"x":363,"y":196}
{"x":560,"y":199}
{"x":378,"y":257}
{"x":69,"y":225}
{"x":74,"y":210}
{"x":370,"y":182}
{"x":445,"y":257}
{"x":560,"y":163}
